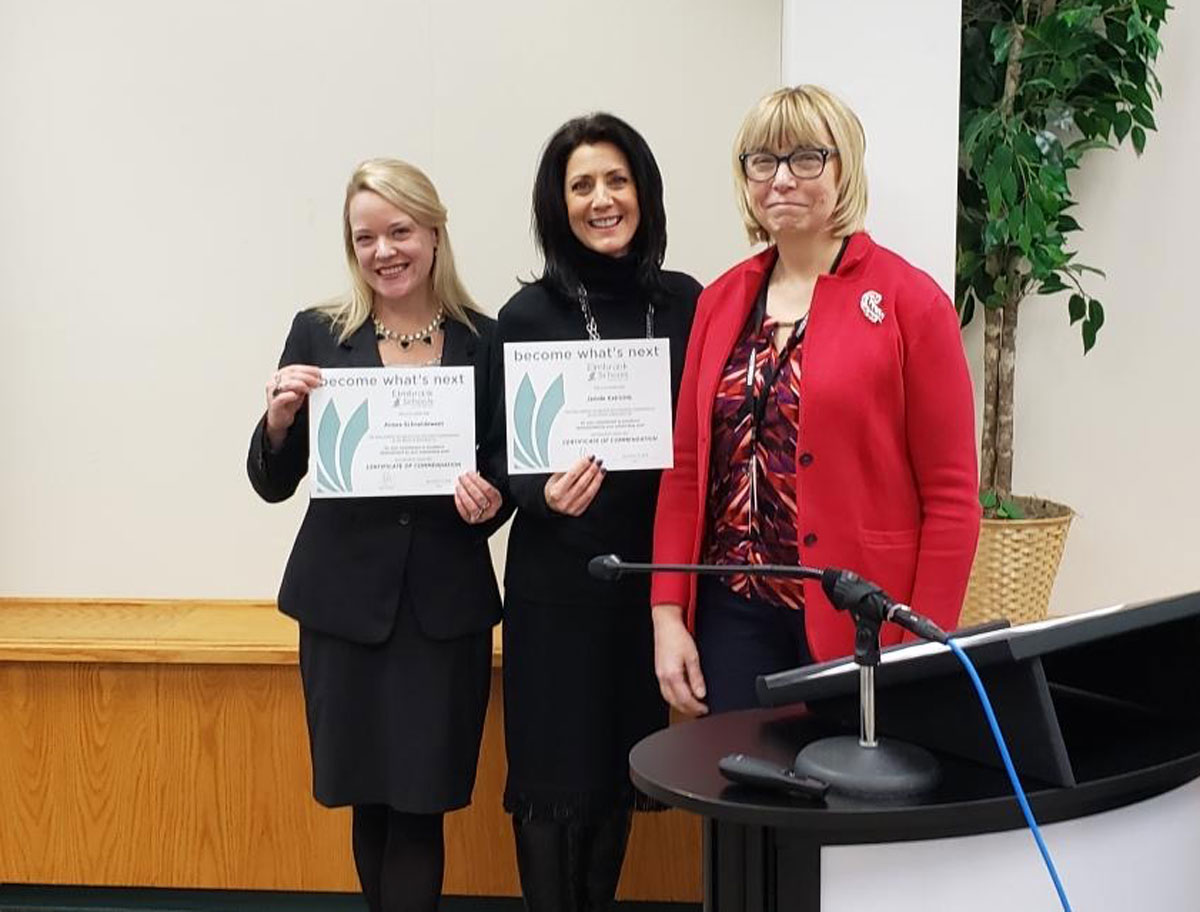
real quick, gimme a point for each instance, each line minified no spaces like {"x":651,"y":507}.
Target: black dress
{"x":396,"y":599}
{"x":579,"y":684}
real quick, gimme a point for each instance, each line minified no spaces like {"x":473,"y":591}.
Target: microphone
{"x":605,"y":567}
{"x":848,"y":591}
{"x":853,"y":765}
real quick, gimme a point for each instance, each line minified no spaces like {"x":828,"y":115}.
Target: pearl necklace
{"x":404,"y":340}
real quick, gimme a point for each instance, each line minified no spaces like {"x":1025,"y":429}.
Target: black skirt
{"x":398,"y":723}
{"x":579,"y":693}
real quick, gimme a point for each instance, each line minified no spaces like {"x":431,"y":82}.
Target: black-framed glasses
{"x":806,"y":164}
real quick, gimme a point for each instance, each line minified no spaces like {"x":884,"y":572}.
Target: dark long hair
{"x":551,"y":228}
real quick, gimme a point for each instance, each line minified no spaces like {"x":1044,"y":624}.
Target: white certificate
{"x":610,"y":399}
{"x":383,"y":432}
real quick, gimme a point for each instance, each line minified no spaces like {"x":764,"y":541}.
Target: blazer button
{"x":806,"y":459}
{"x":405,"y":519}
{"x":810,"y":539}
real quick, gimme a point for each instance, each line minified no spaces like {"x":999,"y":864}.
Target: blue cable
{"x":1011,"y":770}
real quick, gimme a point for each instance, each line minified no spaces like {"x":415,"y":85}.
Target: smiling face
{"x":602,"y":202}
{"x":394,"y":251}
{"x":789,"y":205}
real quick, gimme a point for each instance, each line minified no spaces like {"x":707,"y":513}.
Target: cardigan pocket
{"x":889,"y":559}
{"x":890,"y":538}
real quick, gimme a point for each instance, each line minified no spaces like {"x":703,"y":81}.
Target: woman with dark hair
{"x":579,"y":685}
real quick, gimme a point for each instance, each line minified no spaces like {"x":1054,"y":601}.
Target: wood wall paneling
{"x":196,"y":774}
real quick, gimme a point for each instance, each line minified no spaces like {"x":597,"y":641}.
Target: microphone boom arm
{"x":610,"y":566}
{"x":869,"y":605}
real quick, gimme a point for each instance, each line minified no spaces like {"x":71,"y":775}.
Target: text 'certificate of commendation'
{"x":566,"y":400}
{"x":386,"y":431}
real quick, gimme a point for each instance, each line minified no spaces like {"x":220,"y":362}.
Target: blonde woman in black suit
{"x":395,"y":596}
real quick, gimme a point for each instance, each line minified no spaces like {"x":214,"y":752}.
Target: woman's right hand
{"x":286,"y":391}
{"x":677,"y":662}
{"x":572,"y":491}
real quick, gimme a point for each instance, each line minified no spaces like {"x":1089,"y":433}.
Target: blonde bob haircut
{"x":798,"y":116}
{"x":406,"y":187}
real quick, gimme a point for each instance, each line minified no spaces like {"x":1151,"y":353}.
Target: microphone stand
{"x":863,"y":766}
{"x":867,"y":767}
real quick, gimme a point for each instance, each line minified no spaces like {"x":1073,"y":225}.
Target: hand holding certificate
{"x":381,"y":432}
{"x":566,"y":400}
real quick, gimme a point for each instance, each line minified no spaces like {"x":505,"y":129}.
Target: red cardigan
{"x":886,"y":478}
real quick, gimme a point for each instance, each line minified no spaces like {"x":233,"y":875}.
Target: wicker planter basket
{"x":1016,"y":563}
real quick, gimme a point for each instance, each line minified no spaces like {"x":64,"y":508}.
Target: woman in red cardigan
{"x":825,"y":417}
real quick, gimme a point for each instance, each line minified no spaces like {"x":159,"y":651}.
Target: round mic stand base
{"x":890,"y":769}
{"x":865,"y":767}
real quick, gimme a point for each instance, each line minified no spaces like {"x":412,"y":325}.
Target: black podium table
{"x":1125,"y":838}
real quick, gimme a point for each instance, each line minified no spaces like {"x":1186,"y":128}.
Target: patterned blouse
{"x":752,"y":502}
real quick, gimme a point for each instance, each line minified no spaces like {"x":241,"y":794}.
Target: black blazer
{"x":355,"y":558}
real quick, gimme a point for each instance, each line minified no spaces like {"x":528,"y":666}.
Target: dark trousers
{"x":740,"y":638}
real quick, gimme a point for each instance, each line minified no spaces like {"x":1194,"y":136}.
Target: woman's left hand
{"x":475,"y":498}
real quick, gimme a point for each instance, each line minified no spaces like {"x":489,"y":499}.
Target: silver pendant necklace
{"x":589,"y":319}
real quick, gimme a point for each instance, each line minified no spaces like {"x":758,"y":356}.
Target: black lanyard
{"x":756,"y":406}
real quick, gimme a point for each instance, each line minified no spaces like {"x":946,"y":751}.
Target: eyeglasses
{"x":806,"y":164}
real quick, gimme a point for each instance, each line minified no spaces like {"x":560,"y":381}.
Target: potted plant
{"x":1043,"y":82}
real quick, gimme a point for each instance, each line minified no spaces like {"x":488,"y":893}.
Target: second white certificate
{"x":380,"y":431}
{"x":610,"y":399}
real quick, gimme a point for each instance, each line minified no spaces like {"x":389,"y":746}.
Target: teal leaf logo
{"x":336,"y":446}
{"x":533,"y":420}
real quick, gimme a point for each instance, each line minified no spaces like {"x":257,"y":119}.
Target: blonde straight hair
{"x":797,"y":116}
{"x":406,"y":187}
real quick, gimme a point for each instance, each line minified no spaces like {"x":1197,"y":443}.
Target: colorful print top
{"x":752,"y":483}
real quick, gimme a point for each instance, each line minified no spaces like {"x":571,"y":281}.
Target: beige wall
{"x":171,"y":186}
{"x":896,"y":65}
{"x":1116,"y":434}
{"x":171,"y":180}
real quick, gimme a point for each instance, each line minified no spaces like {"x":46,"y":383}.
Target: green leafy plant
{"x":1043,"y":83}
{"x":997,"y":507}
